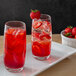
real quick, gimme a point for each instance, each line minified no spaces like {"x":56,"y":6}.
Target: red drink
{"x":41,"y":38}
{"x":41,"y":48}
{"x":15,"y":48}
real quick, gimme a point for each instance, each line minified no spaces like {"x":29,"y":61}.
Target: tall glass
{"x":41,"y":37}
{"x":14,"y":45}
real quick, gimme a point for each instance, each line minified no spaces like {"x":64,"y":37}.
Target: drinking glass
{"x":14,"y":45}
{"x":41,"y":37}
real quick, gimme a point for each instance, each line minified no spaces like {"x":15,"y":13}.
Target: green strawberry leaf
{"x":68,"y":34}
{"x":70,"y":27}
{"x":34,"y":10}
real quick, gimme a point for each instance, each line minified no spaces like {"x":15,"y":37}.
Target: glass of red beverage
{"x":41,"y":37}
{"x":14,"y":45}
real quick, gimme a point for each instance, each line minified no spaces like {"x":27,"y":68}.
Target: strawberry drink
{"x":41,"y":37}
{"x":14,"y":45}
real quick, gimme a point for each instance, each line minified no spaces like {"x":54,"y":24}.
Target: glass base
{"x":41,"y":58}
{"x":14,"y":70}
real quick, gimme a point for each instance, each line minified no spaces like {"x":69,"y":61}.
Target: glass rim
{"x":15,"y":21}
{"x":48,"y":17}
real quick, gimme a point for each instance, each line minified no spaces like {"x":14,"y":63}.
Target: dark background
{"x":63,"y":12}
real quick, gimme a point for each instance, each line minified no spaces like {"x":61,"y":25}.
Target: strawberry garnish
{"x":45,"y":33}
{"x":35,"y":34}
{"x":37,"y":24}
{"x":35,"y":14}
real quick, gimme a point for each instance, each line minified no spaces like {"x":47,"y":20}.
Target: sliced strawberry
{"x":42,"y":37}
{"x":36,"y":48}
{"x":10,"y":31}
{"x":44,"y":33}
{"x":37,"y":24}
{"x":35,"y":34}
{"x":48,"y":23}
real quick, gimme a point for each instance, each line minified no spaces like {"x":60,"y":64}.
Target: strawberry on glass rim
{"x":35,"y":14}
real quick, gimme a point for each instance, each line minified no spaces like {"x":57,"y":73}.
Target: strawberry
{"x":68,"y":29}
{"x":44,"y":32}
{"x":36,"y":49}
{"x":69,"y":35}
{"x":37,"y":24}
{"x":10,"y":31}
{"x":35,"y":34}
{"x":35,"y":14}
{"x":42,"y":37}
{"x":74,"y":31}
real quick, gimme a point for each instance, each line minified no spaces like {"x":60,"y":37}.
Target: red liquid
{"x":15,"y":48}
{"x":41,"y":38}
{"x":42,"y":48}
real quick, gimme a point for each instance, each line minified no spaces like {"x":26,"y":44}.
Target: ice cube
{"x":46,"y":27}
{"x":17,"y":32}
{"x":39,"y":20}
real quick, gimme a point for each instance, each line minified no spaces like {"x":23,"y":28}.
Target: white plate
{"x":32,"y":66}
